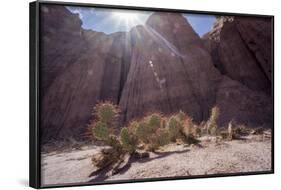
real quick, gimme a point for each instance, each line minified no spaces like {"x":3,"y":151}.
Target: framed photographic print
{"x":131,"y":94}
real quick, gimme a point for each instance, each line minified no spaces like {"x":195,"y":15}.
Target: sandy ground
{"x":210,"y":157}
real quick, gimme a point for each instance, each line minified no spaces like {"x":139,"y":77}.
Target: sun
{"x":125,"y":19}
{"x":125,"y":16}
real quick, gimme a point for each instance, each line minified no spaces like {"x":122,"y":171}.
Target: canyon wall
{"x":161,"y":66}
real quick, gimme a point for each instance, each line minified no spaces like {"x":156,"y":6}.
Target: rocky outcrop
{"x":241,"y":49}
{"x":168,"y":73}
{"x":161,"y":66}
{"x":245,"y":106}
{"x":89,"y":67}
{"x":59,"y":31}
{"x":257,"y":35}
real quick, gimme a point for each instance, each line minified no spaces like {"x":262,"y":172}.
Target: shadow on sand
{"x":102,"y":174}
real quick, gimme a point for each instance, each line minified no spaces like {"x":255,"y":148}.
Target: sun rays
{"x":115,"y":20}
{"x":128,"y":19}
{"x":118,"y":20}
{"x":125,"y":16}
{"x":109,"y":20}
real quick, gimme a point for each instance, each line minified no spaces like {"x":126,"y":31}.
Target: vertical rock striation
{"x":241,"y":49}
{"x":170,"y":70}
{"x":161,"y":66}
{"x":77,"y":72}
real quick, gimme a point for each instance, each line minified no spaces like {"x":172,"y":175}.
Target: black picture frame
{"x":34,"y":76}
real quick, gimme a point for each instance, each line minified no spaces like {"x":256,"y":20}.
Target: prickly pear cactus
{"x":181,"y":115}
{"x":106,"y":112}
{"x":174,"y":127}
{"x":153,"y":122}
{"x":128,"y":140}
{"x":100,"y":131}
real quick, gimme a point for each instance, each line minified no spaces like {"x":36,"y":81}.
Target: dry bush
{"x":238,"y":131}
{"x":212,"y":122}
{"x":241,"y":130}
{"x":258,"y":131}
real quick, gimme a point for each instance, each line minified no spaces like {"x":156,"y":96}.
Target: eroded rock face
{"x":257,"y":35}
{"x":241,"y":49}
{"x":59,"y":30}
{"x":161,"y":66}
{"x":245,"y":106}
{"x":168,"y":73}
{"x":92,"y":67}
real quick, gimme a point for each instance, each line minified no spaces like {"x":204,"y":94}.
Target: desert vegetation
{"x":150,"y":133}
{"x":159,"y":145}
{"x":139,"y":137}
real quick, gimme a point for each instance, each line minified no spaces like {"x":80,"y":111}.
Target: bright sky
{"x":109,"y":21}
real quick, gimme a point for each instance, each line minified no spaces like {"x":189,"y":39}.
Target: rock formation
{"x":169,"y":73}
{"x":90,"y":67}
{"x":241,"y":49}
{"x":161,"y":66}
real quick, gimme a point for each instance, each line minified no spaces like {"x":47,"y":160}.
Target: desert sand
{"x":209,"y":157}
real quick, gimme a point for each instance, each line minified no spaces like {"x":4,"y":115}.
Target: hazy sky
{"x":109,"y":21}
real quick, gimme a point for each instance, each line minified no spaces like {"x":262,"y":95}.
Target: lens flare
{"x":126,"y":16}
